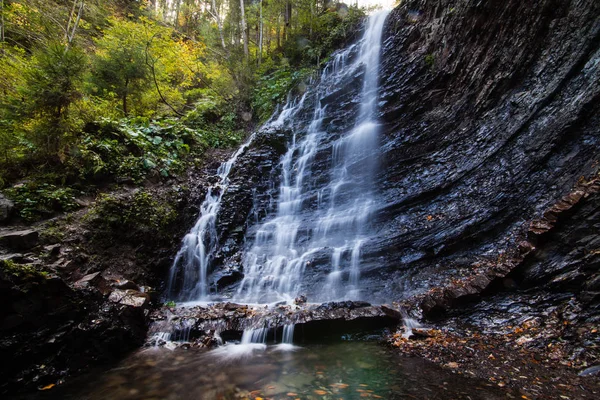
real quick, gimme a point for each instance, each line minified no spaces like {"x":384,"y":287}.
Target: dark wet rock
{"x":19,"y":240}
{"x":16,"y":258}
{"x":6,"y":208}
{"x":49,"y":330}
{"x":300,"y":299}
{"x":126,"y":284}
{"x":88,"y":280}
{"x":53,"y":249}
{"x":64,"y":266}
{"x":250,"y":183}
{"x":591,"y":371}
{"x":349,"y":305}
{"x":485,"y":135}
{"x":231,"y":319}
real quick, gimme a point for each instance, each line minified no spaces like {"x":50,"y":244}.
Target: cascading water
{"x":192,"y":262}
{"x":285,"y":243}
{"x":323,"y":217}
{"x":317,"y":216}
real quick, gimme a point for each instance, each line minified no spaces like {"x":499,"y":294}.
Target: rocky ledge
{"x":202,"y":325}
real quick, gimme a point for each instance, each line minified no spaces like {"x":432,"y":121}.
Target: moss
{"x":23,"y":272}
{"x":53,"y":232}
{"x":140,"y":211}
{"x":430,"y":60}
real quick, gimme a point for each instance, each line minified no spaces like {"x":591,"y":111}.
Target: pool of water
{"x":347,"y":370}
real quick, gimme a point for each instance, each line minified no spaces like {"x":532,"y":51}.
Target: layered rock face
{"x":490,"y":116}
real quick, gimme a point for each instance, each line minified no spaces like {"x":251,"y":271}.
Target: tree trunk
{"x":287,"y":18}
{"x":125,"y":111}
{"x":278,"y":32}
{"x":219,"y":24}
{"x":73,"y":25}
{"x":244,"y":29}
{"x":260,"y":35}
{"x":177,"y":10}
{"x":1,"y":21}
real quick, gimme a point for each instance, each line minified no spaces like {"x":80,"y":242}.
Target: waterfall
{"x":286,"y":242}
{"x":299,"y":229}
{"x":193,"y":258}
{"x":192,"y":262}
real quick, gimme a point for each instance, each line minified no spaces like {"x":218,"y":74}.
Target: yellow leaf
{"x":48,"y":387}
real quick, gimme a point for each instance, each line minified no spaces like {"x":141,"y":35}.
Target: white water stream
{"x":283,"y":245}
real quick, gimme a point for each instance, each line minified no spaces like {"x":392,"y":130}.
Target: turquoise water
{"x":347,"y":370}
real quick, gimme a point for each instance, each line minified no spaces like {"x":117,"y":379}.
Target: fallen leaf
{"x":48,"y":387}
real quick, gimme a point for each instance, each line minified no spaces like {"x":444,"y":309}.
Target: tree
{"x":119,"y":65}
{"x":73,"y":22}
{"x":52,"y":84}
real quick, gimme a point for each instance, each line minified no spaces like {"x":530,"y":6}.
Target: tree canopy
{"x":73,"y":70}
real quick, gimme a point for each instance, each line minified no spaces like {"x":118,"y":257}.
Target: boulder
{"x":88,"y":280}
{"x":129,"y":297}
{"x":6,"y":208}
{"x":19,"y":240}
{"x":126,"y":284}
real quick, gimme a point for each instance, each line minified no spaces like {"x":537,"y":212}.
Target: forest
{"x":96,"y":91}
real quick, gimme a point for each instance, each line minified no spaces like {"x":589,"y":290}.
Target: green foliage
{"x":53,"y":78}
{"x":137,"y":148}
{"x":51,"y":87}
{"x":331,"y":30}
{"x":170,"y":304}
{"x":119,"y":65}
{"x":138,"y":92}
{"x":53,"y":231}
{"x":271,"y":89}
{"x":430,"y":60}
{"x":132,"y":149}
{"x":22,"y":271}
{"x":130,"y":213}
{"x":36,"y":200}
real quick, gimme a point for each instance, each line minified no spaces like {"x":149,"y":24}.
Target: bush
{"x":131,"y":213}
{"x":272,"y":89}
{"x":134,"y":149}
{"x":38,"y":200}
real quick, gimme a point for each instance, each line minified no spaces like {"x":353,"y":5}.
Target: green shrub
{"x":272,"y":89}
{"x":134,"y":149}
{"x":36,"y":200}
{"x":126,"y":214}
